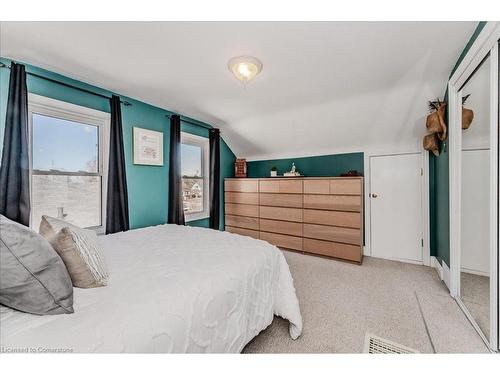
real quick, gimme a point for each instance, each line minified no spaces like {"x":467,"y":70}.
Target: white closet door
{"x":396,"y":207}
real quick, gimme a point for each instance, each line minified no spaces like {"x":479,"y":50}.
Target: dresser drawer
{"x":281,"y":213}
{"x":282,"y":240}
{"x":269,"y":186}
{"x":346,"y":187}
{"x":242,"y":222}
{"x":245,"y":186}
{"x":281,"y":200}
{"x":336,"y":234}
{"x":241,"y":209}
{"x":284,"y":227}
{"x":242,"y":198}
{"x":335,"y":218}
{"x":291,"y":186}
{"x":333,"y":202}
{"x":280,"y":186}
{"x":243,"y":232}
{"x":316,"y":186}
{"x":333,"y":249}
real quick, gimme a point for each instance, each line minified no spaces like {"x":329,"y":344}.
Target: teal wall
{"x":147,"y":185}
{"x":312,"y":166}
{"x":439,"y":188}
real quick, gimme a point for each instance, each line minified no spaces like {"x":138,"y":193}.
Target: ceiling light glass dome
{"x":244,"y":68}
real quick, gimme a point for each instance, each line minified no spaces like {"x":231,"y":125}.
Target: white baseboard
{"x":420,"y":263}
{"x":442,"y":270}
{"x":437,"y":266}
{"x":474,"y":272}
{"x":366,"y":251}
{"x":446,"y":274}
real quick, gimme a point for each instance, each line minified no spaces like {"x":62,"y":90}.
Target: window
{"x":194,"y":167}
{"x":68,"y":154}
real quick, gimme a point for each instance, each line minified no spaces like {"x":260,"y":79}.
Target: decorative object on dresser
{"x":240,"y":168}
{"x":351,"y":173}
{"x":317,"y":215}
{"x":293,"y":172}
{"x":274,"y":171}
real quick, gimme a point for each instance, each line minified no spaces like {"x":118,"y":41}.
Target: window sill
{"x":197,"y":216}
{"x":98,"y":230}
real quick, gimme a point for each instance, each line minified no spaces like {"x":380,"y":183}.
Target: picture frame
{"x":148,"y":147}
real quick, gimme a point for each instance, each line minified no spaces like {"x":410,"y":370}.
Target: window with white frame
{"x":195,"y":182}
{"x":68,"y":162}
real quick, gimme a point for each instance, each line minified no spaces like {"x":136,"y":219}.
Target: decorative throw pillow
{"x":33,"y":278}
{"x":79,"y":250}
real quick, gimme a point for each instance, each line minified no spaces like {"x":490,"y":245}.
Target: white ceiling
{"x":326,"y":87}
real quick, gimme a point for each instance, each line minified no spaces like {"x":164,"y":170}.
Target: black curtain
{"x":117,"y":219}
{"x":14,"y":170}
{"x":214,"y":140}
{"x":175,"y":203}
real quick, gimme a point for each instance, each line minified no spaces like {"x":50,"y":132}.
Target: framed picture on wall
{"x":148,"y":147}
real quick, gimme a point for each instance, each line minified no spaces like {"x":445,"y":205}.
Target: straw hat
{"x":467,"y":117}
{"x":431,"y":143}
{"x":435,"y":121}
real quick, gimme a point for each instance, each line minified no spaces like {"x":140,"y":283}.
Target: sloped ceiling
{"x":326,"y":87}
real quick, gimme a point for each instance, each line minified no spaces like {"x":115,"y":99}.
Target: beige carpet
{"x":340,"y":302}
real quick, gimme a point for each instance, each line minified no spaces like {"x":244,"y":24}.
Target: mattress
{"x":172,"y":289}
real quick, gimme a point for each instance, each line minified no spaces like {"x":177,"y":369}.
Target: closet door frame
{"x":486,"y":43}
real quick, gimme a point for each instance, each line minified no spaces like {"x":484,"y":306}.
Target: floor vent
{"x":378,"y":345}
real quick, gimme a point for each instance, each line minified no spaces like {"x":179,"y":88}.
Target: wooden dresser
{"x":322,"y":215}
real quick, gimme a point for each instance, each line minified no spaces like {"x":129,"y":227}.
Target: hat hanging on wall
{"x":431,"y":143}
{"x":467,"y":114}
{"x":436,"y":125}
{"x":435,"y":121}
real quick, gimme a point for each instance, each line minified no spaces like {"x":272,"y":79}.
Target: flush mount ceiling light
{"x":244,"y":68}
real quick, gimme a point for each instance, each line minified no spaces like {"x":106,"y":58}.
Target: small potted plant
{"x":274,"y":171}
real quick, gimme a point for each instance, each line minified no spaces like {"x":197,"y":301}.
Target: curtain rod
{"x":125,"y":103}
{"x":190,"y":122}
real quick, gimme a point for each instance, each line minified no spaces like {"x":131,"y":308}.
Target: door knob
{"x":374,"y":195}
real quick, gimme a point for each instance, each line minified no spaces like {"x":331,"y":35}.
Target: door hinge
{"x":422,"y":240}
{"x":421,"y":171}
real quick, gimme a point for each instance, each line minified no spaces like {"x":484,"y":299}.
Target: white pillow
{"x":79,"y":251}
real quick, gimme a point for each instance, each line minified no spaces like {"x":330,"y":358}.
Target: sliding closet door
{"x":475,"y":197}
{"x":474,"y":175}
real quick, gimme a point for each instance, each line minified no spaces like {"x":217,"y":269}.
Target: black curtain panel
{"x":14,"y":170}
{"x":175,"y":203}
{"x":117,"y":219}
{"x":214,"y":140}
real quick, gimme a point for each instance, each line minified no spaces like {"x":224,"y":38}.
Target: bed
{"x":173,"y":289}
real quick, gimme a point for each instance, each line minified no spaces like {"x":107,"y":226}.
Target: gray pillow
{"x":33,"y":277}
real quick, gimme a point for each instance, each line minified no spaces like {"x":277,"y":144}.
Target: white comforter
{"x":172,"y":289}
